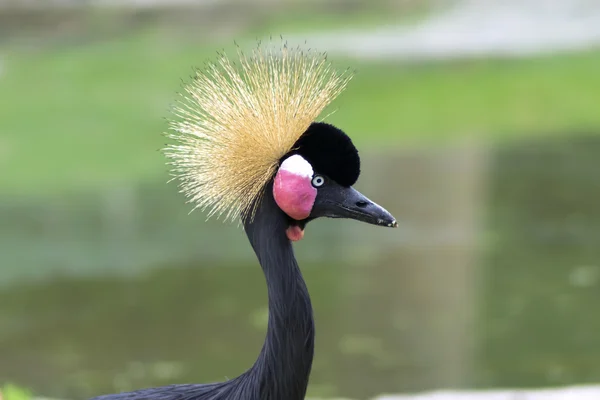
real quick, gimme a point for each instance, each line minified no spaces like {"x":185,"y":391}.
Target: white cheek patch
{"x":297,"y":166}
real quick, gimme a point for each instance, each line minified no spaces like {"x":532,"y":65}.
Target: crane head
{"x":315,"y":180}
{"x":241,"y":126}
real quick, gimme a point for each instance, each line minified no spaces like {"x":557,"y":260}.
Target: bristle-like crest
{"x":236,"y":120}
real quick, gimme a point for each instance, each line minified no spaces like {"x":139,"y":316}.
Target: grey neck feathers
{"x":283,"y":366}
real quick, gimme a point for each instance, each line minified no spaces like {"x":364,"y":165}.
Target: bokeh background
{"x":478,"y":126}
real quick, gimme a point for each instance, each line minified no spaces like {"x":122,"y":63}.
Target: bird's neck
{"x":283,"y":367}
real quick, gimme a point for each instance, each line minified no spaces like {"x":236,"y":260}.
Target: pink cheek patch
{"x":294,"y":194}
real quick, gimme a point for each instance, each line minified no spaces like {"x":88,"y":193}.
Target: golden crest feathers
{"x":236,"y":121}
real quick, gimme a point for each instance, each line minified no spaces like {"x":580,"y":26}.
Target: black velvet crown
{"x":330,"y":152}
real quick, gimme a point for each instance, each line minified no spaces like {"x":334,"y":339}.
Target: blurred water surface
{"x":491,"y":280}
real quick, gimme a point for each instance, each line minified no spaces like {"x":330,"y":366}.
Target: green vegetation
{"x":86,"y":115}
{"x":13,"y":392}
{"x":302,"y":21}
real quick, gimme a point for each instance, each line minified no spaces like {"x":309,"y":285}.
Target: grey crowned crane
{"x":247,"y":147}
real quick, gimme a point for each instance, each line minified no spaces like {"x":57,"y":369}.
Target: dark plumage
{"x":331,"y":152}
{"x":282,"y":369}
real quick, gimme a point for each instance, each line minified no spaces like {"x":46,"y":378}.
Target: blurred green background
{"x":488,"y":161}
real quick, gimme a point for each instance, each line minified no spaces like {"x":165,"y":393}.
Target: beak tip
{"x":393,"y":224}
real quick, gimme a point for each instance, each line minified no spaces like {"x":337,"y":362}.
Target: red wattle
{"x":294,"y":233}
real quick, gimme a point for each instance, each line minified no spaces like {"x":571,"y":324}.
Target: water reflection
{"x":492,"y":282}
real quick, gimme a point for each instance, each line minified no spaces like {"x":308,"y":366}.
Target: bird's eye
{"x":318,"y":181}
